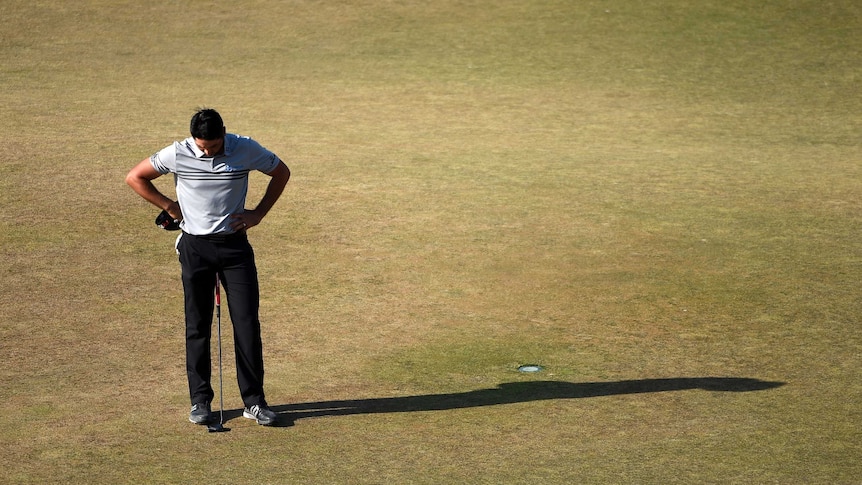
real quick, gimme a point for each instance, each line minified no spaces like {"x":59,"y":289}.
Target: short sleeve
{"x":270,"y":162}
{"x":259,"y":157}
{"x":165,"y":160}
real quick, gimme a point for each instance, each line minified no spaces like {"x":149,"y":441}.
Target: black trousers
{"x":232,"y":258}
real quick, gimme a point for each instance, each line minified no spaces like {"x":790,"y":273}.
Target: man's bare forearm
{"x":280,"y":176}
{"x":140,"y":179}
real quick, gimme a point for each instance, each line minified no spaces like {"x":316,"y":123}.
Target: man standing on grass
{"x":211,"y":170}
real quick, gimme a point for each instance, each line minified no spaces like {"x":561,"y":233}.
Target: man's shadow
{"x":514,"y":392}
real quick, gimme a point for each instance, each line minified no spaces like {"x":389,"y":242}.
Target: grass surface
{"x":659,"y":202}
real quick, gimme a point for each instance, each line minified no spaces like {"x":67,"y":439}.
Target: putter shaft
{"x":215,"y":428}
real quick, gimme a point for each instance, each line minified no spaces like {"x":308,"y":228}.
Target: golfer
{"x":211,"y":170}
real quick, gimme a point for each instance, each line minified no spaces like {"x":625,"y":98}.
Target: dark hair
{"x":207,"y":125}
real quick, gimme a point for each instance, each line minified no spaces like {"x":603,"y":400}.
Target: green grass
{"x":635,"y":195}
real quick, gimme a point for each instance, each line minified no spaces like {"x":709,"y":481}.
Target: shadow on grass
{"x":514,"y":392}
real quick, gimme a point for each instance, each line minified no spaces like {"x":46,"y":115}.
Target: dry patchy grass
{"x":619,"y":191}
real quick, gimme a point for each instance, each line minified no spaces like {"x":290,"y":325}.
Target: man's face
{"x":210,"y":148}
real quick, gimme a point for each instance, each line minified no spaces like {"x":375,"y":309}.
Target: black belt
{"x":221,"y":237}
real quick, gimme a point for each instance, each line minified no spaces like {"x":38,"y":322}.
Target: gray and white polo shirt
{"x":210,"y":189}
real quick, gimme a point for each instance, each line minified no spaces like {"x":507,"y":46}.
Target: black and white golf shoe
{"x":260,"y":413}
{"x":201,"y":413}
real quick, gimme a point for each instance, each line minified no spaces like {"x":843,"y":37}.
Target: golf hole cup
{"x":529,"y":368}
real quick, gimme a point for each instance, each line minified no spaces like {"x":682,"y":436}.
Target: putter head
{"x":217,"y":428}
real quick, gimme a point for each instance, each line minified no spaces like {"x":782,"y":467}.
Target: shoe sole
{"x":206,"y":421}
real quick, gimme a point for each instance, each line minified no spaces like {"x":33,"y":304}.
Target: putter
{"x":218,"y":427}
